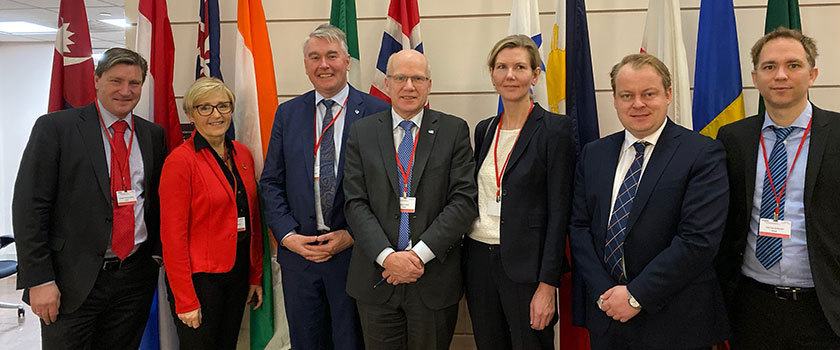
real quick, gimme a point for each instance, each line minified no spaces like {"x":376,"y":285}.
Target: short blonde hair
{"x":201,"y":88}
{"x":639,"y":60}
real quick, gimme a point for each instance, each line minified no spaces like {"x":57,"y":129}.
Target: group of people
{"x":385,"y":216}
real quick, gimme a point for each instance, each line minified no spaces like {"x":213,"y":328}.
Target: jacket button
{"x":504,"y":192}
{"x":502,"y":221}
{"x":396,"y":216}
{"x":414,"y":216}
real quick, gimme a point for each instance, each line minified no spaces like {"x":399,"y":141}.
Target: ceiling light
{"x":21,"y":27}
{"x":119,"y":22}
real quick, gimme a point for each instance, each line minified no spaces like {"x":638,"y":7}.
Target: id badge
{"x":240,"y":224}
{"x":772,"y":228}
{"x":126,"y":198}
{"x":407,"y":204}
{"x":317,"y":173}
{"x":494,"y":208}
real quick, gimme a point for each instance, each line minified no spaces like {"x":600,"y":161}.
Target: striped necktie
{"x":768,"y":250}
{"x":614,"y":248}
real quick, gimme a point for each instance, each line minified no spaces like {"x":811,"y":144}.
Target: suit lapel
{"x":816,"y":149}
{"x":749,"y":148}
{"x":308,"y":119}
{"x":662,"y":153}
{"x":207,"y":156}
{"x":385,"y":136}
{"x":91,"y":130}
{"x":532,"y":125}
{"x":606,"y":175}
{"x":354,"y":110}
{"x":144,"y":140}
{"x":486,"y":142}
{"x":425,"y":144}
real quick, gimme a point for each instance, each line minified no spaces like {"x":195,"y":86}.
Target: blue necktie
{"x":614,"y":247}
{"x":404,"y":152}
{"x":768,"y":250}
{"x":326,"y":181}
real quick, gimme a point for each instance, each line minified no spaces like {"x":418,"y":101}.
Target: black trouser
{"x":222,"y":297}
{"x":114,"y":314}
{"x":765,"y":322}
{"x":500,"y":309}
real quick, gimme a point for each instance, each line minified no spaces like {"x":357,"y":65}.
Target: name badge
{"x":407,"y":204}
{"x":494,"y":208}
{"x":317,"y":172}
{"x":240,"y":224}
{"x":772,"y":228}
{"x":126,"y":198}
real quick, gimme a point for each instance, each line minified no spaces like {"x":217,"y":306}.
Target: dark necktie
{"x":404,"y":153}
{"x":768,"y":250}
{"x":614,"y":247}
{"x":326,"y":180}
{"x":122,"y":234}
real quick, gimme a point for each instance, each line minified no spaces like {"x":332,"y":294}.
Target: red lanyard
{"x":123,"y":168}
{"x":778,"y":194}
{"x":403,"y":171}
{"x":324,"y":130}
{"x":495,"y":154}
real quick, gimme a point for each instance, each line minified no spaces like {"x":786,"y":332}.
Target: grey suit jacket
{"x":443,"y":183}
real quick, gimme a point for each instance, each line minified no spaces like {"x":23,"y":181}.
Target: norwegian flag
{"x":402,"y":31}
{"x":207,"y":62}
{"x":72,"y":71}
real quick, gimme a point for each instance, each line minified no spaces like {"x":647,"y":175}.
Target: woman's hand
{"x":255,"y":294}
{"x":191,"y":318}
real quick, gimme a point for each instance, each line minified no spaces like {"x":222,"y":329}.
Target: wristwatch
{"x":633,"y":302}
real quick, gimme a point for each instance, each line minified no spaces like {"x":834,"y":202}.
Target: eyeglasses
{"x":402,"y":79}
{"x":207,"y":109}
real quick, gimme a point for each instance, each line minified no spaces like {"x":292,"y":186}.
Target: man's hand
{"x":402,"y":267}
{"x":255,"y":296}
{"x":302,"y":245}
{"x":45,"y":300}
{"x":542,"y":306}
{"x":615,"y":304}
{"x":334,"y":242}
{"x":191,"y":318}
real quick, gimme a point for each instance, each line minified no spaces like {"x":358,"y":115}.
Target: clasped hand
{"x":615,"y":304}
{"x":402,"y":267}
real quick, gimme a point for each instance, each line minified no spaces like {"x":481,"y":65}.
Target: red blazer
{"x":198,"y":219}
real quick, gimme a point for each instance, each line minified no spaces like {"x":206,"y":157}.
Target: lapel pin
{"x":357,"y":111}
{"x":244,"y":167}
{"x":431,"y":131}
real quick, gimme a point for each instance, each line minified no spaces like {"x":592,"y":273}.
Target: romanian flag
{"x":402,"y":32}
{"x":718,"y":93}
{"x":72,"y":70}
{"x":343,"y":16}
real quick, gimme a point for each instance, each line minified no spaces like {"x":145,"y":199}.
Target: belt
{"x":112,"y":264}
{"x":782,"y":292}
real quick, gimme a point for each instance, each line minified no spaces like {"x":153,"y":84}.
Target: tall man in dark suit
{"x":779,"y":261}
{"x":86,"y":214}
{"x":648,"y":214}
{"x":304,"y":200}
{"x":410,"y":198}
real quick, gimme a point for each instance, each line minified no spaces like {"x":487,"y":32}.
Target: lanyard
{"x":324,"y":130}
{"x":777,"y":195}
{"x":123,"y":168}
{"x":403,"y":171}
{"x":495,"y":154}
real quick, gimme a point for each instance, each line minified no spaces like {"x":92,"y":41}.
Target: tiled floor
{"x":17,"y":334}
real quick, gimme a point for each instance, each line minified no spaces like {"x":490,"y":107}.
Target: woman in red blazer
{"x":210,"y":224}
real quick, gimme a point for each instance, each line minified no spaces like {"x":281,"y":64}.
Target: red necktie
{"x":122,"y":234}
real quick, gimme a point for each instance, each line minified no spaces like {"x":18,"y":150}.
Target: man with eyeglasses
{"x":304,"y":200}
{"x":86,"y":214}
{"x":410,"y":197}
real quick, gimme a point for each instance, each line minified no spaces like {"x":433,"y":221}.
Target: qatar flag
{"x":72,"y":71}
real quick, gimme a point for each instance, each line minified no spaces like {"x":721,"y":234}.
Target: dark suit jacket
{"x":822,"y":191}
{"x":287,"y":181}
{"x":62,"y":208}
{"x":536,"y":195}
{"x":443,"y":183}
{"x":673,"y":233}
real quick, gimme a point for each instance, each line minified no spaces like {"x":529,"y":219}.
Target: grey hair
{"x":119,"y":55}
{"x":329,"y":33}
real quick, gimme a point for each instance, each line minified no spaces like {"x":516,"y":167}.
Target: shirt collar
{"x":396,"y":118}
{"x":800,"y":122}
{"x":109,"y":119}
{"x":651,"y":139}
{"x":338,"y":98}
{"x":201,"y":143}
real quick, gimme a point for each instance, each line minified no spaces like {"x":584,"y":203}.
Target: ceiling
{"x":45,"y":12}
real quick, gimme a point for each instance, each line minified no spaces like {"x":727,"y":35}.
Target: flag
{"x":156,"y":45}
{"x":780,"y":13}
{"x":663,"y":38}
{"x":402,"y":31}
{"x":207,"y":62}
{"x":256,"y":92}
{"x":718,"y":93}
{"x":72,"y":70}
{"x":555,"y":70}
{"x":525,"y":19}
{"x":343,"y":16}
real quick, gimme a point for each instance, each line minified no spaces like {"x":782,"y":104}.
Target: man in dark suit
{"x":86,"y":214}
{"x":648,"y":214}
{"x":306,"y":212}
{"x":778,"y":262}
{"x":410,"y":197}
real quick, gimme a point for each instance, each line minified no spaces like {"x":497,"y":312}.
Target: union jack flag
{"x":207,"y":62}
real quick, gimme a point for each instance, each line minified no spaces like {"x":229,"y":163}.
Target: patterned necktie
{"x":768,"y":250}
{"x":122,"y":233}
{"x":326,"y":181}
{"x":404,"y":153}
{"x":614,"y":248}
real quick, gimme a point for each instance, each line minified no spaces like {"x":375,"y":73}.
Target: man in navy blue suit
{"x":648,"y":215}
{"x":304,"y":199}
